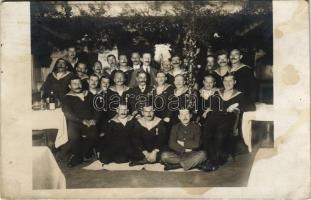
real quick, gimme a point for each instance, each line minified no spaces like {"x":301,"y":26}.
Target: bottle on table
{"x":52,"y":101}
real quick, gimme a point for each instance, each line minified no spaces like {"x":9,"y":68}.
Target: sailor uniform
{"x":116,"y":144}
{"x":78,"y":107}
{"x":219,"y":78}
{"x":57,"y":83}
{"x":180,"y":101}
{"x":101,"y":104}
{"x":148,"y":136}
{"x":220,"y":123}
{"x":160,"y":101}
{"x":84,"y":82}
{"x":245,"y":81}
{"x":128,"y":75}
{"x":169,"y":78}
{"x":204,"y":101}
{"x":115,"y":97}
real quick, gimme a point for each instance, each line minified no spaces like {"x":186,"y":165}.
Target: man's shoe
{"x":140,"y":162}
{"x":74,"y":161}
{"x":168,"y":166}
{"x":209,"y":167}
{"x":88,"y":158}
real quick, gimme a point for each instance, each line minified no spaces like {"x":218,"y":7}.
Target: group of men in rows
{"x":141,"y":114}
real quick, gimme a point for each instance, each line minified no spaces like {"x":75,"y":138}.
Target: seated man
{"x":81,"y":119}
{"x":116,"y":146}
{"x":184,"y":140}
{"x":149,"y":137}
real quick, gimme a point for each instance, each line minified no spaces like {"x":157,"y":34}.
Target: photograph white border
{"x":283,"y":173}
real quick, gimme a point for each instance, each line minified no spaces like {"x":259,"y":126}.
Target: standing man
{"x":81,"y":119}
{"x":209,"y":69}
{"x":71,"y":57}
{"x":140,"y":93}
{"x":150,"y":71}
{"x":166,"y":67}
{"x":244,"y":75}
{"x":135,"y":58}
{"x":184,"y":142}
{"x":123,"y":65}
{"x":176,"y":63}
{"x":113,"y":65}
{"x":101,"y":104}
{"x":119,"y":91}
{"x":223,"y":69}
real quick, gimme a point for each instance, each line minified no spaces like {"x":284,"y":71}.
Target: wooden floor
{"x":232,"y":174}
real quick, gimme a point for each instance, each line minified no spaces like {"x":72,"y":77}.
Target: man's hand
{"x":182,"y":143}
{"x":86,"y":123}
{"x":233,"y":108}
{"x":188,"y":150}
{"x":149,"y":156}
{"x":138,"y":116}
{"x":167,"y":119}
{"x":204,"y":115}
{"x":153,"y":156}
{"x":92,"y":122}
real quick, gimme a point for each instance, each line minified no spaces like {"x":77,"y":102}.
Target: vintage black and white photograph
{"x":150,"y":94}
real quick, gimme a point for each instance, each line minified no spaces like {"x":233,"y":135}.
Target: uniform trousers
{"x":79,"y":146}
{"x":217,"y":136}
{"x":187,"y":160}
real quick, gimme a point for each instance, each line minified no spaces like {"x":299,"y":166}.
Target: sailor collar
{"x":149,"y":125}
{"x":166,"y":86}
{"x":84,"y":77}
{"x":123,"y":122}
{"x":94,"y":91}
{"x":175,"y":73}
{"x":80,"y":95}
{"x":207,"y":93}
{"x":217,"y":71}
{"x":183,"y":92}
{"x":114,"y":89}
{"x":60,"y":77}
{"x":126,"y":69}
{"x":234,"y":69}
{"x":234,"y":94}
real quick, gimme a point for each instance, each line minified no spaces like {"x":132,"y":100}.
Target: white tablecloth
{"x":51,"y":119}
{"x":264,"y":112}
{"x":45,"y":171}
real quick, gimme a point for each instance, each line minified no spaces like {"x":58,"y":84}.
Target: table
{"x":51,"y":119}
{"x":45,"y":171}
{"x":264,"y":112}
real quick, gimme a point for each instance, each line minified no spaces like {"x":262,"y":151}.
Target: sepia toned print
{"x":152,"y":89}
